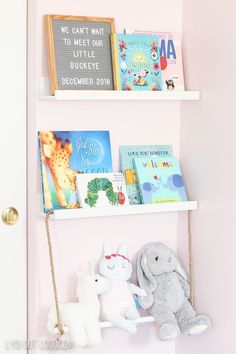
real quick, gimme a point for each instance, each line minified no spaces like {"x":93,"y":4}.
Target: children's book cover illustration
{"x":63,"y":155}
{"x":127,"y":154}
{"x":101,"y":190}
{"x":137,"y":62}
{"x":171,"y":59}
{"x":160,"y":180}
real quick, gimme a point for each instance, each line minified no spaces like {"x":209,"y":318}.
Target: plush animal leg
{"x":190,"y":323}
{"x":122,"y":323}
{"x":94,"y":334}
{"x":165,"y":319}
{"x":132,"y":313}
{"x":78,"y":334}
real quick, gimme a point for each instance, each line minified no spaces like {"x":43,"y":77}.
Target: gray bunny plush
{"x":161,"y":276}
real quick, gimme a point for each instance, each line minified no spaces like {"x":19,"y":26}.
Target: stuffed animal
{"x":117,"y":304}
{"x":81,"y":319}
{"x":168,"y":292}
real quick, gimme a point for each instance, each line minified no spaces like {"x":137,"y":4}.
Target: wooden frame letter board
{"x":79,"y":52}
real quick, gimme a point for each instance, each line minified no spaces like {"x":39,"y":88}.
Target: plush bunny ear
{"x":123,"y":249}
{"x":180,"y":270}
{"x":145,"y":278}
{"x":107,"y":249}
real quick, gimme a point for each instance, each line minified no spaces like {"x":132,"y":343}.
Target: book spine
{"x":41,"y":171}
{"x":138,"y":182}
{"x":115,"y":61}
{"x":78,"y":192}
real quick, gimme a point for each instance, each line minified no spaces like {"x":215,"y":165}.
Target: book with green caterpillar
{"x":101,"y":190}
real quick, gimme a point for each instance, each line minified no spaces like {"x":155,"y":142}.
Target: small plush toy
{"x":117,"y":304}
{"x":81,"y":319}
{"x":168,"y":292}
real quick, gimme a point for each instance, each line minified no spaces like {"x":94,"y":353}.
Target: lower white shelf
{"x":126,"y":210}
{"x":146,"y":319}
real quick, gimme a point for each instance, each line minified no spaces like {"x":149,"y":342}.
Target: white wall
{"x":208,"y":148}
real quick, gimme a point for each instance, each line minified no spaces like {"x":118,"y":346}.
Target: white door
{"x":13,"y":174}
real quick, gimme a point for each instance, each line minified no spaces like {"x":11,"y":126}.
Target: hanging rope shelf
{"x":59,"y":328}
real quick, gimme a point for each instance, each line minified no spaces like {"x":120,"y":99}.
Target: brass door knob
{"x":10,"y":216}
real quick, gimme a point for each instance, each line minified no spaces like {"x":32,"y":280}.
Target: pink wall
{"x":207,"y":152}
{"x":78,"y":241}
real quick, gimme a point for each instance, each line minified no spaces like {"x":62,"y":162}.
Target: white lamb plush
{"x":117,"y":303}
{"x":81,"y":319}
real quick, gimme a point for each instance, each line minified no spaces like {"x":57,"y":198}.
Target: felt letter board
{"x":79,"y":52}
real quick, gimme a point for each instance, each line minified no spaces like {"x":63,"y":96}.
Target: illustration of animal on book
{"x":160,"y":180}
{"x":138,"y":66}
{"x":64,"y":155}
{"x":127,"y":154}
{"x":104,"y":189}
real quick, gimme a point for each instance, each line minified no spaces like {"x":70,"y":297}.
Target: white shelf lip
{"x":124,"y":210}
{"x":146,"y":319}
{"x":79,"y":95}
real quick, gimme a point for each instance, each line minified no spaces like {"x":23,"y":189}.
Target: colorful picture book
{"x":137,"y":62}
{"x":171,"y":59}
{"x":102,"y":190}
{"x":127,"y":154}
{"x":160,"y":180}
{"x":63,"y":155}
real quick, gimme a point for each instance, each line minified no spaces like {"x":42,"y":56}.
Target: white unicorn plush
{"x":117,"y":303}
{"x":81,"y":319}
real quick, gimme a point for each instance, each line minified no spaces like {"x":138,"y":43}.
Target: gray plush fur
{"x":168,"y":291}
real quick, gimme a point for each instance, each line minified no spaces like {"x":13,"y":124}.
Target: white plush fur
{"x":117,"y":304}
{"x":81,"y":319}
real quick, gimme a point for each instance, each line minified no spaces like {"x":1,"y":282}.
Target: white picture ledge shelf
{"x":127,"y":210}
{"x":146,"y":319}
{"x":67,"y":95}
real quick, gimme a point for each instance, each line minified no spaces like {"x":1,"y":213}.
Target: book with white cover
{"x":101,"y":190}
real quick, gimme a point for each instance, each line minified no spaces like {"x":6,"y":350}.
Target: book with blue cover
{"x":137,"y":62}
{"x":64,"y":154}
{"x":127,"y":154}
{"x":160,"y":180}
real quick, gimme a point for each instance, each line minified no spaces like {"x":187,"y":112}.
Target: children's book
{"x":171,"y":59}
{"x":63,"y":155}
{"x":127,"y":154}
{"x":102,"y":189}
{"x":160,"y":180}
{"x":137,"y":62}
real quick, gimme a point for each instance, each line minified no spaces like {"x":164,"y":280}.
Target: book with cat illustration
{"x":137,"y":62}
{"x":63,"y":155}
{"x":127,"y":154}
{"x":102,"y":190}
{"x":160,"y":180}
